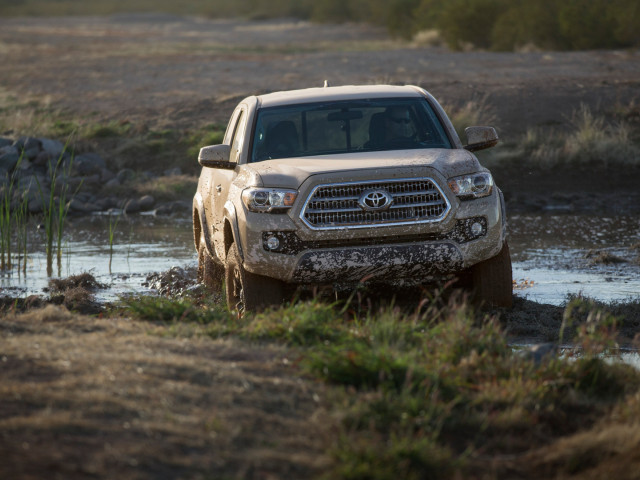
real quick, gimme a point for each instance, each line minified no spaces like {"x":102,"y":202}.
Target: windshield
{"x":304,"y":130}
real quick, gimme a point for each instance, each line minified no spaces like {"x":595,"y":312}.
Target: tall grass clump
{"x":113,"y":224}
{"x":55,"y":210}
{"x":14,"y":220}
{"x":588,"y":141}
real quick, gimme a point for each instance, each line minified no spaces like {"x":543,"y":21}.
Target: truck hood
{"x":292,"y":172}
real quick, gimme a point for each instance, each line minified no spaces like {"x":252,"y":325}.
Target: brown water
{"x":548,"y":252}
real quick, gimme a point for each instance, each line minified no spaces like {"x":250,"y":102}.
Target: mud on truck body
{"x":340,"y":185}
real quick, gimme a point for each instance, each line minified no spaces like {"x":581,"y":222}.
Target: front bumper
{"x":417,"y":253}
{"x":395,"y":262}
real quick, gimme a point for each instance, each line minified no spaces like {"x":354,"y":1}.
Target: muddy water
{"x":141,"y":245}
{"x":553,"y":255}
{"x":559,"y":254}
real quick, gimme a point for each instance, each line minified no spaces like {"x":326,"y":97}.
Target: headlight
{"x":472,"y":186}
{"x":268,"y":199}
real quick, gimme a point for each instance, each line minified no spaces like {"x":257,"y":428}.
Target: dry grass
{"x":85,"y":396}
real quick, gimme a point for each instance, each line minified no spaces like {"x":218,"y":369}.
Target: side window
{"x":238,"y":137}
{"x":231,"y":127}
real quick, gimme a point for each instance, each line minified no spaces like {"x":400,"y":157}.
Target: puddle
{"x":142,"y":245}
{"x":548,"y":252}
{"x":550,"y":257}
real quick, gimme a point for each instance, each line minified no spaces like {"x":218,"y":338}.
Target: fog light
{"x":273,"y":243}
{"x":476,"y":229}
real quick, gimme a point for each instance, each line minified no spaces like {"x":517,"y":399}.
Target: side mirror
{"x":216,"y":156}
{"x":479,"y":138}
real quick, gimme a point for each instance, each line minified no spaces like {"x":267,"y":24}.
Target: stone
{"x":38,"y":203}
{"x":170,"y":208}
{"x":106,"y":175}
{"x":132,"y":206}
{"x":125,"y":175}
{"x":88,"y":164}
{"x":42,"y":159}
{"x":146,"y":203}
{"x":79,"y":206}
{"x":5,"y":142}
{"x":27,"y":143}
{"x":31,"y":153}
{"x":9,"y":149}
{"x":53,"y":147}
{"x":106,"y":203}
{"x":8,"y":161}
{"x":114,"y":182}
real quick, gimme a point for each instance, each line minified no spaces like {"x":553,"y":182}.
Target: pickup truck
{"x":345,"y":185}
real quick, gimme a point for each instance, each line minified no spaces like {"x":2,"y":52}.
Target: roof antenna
{"x":326,"y":84}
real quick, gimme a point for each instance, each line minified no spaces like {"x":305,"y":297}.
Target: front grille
{"x":415,"y":200}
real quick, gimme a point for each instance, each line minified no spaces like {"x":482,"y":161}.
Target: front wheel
{"x":246,"y":291}
{"x":492,"y":280}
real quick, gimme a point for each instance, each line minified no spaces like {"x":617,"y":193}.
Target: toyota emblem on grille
{"x":375,"y":200}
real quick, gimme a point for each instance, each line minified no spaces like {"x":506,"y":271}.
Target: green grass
{"x":422,"y":394}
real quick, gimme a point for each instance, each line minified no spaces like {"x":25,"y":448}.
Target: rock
{"x":106,"y":175}
{"x":125,"y":175}
{"x":31,"y":153}
{"x":146,"y":203}
{"x":37,"y":204}
{"x":42,"y":159}
{"x":114,"y":182}
{"x":27,"y":143}
{"x":106,"y":203}
{"x":173,"y":172}
{"x":25,"y":164}
{"x":5,"y":142}
{"x":9,"y":149}
{"x":132,"y":206}
{"x":8,"y":161}
{"x":91,"y":180}
{"x":88,"y":164}
{"x":178,"y":206}
{"x":79,"y":206}
{"x":53,"y":147}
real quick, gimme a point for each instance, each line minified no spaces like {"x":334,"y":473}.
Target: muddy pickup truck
{"x":344,"y":185}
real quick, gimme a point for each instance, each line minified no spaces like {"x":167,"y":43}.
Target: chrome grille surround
{"x":335,"y":205}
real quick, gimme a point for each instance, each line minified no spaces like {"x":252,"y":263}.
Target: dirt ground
{"x":102,"y":398}
{"x":185,"y":71}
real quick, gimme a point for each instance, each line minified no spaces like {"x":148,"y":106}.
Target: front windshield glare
{"x":346,"y":126}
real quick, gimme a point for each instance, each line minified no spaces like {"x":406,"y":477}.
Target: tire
{"x":210,"y":274}
{"x":246,"y":291}
{"x":492,"y":280}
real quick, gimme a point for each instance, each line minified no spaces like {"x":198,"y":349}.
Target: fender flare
{"x":198,"y":206}
{"x":231,"y":216}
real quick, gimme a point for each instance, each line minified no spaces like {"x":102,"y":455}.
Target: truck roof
{"x":346,"y":92}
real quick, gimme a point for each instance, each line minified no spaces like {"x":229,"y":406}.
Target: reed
{"x":112,"y":230}
{"x":55,"y":213}
{"x":12,"y":220}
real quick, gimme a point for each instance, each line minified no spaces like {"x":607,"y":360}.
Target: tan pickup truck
{"x":343,"y":185}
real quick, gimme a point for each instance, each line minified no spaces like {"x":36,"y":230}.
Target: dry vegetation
{"x":177,"y":387}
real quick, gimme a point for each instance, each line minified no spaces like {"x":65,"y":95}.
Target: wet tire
{"x":246,"y":291}
{"x":492,"y":280}
{"x":210,"y":274}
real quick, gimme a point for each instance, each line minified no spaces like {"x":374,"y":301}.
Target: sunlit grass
{"x":422,"y":393}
